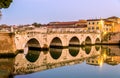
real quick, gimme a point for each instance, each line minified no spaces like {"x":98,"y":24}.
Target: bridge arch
{"x":74,"y":41}
{"x":97,"y":41}
{"x":31,"y":44}
{"x":56,"y":42}
{"x":88,"y":40}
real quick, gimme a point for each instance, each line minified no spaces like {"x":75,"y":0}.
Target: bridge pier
{"x":7,"y":45}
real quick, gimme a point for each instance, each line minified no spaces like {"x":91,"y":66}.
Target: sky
{"x":45,"y":11}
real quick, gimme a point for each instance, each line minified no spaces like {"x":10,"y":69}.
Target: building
{"x":69,"y":24}
{"x":81,"y":25}
{"x":108,"y":26}
{"x":111,"y":24}
{"x":114,"y":19}
{"x":95,"y":25}
{"x":117,"y":28}
{"x":115,"y":23}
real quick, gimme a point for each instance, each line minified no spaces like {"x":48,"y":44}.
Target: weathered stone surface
{"x":7,"y":44}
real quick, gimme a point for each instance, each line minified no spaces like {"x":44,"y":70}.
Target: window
{"x":92,"y":61}
{"x":106,"y":29}
{"x":110,"y":29}
{"x":93,"y":23}
{"x":97,"y":22}
{"x":89,"y":28}
{"x":92,"y":28}
{"x":97,"y":28}
{"x":89,"y":23}
{"x":96,"y":61}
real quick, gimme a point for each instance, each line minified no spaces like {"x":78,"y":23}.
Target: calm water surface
{"x":72,"y":62}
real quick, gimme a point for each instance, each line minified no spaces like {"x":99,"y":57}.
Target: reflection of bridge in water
{"x":39,"y":61}
{"x":36,"y":61}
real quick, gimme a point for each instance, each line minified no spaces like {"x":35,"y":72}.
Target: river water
{"x":72,"y":62}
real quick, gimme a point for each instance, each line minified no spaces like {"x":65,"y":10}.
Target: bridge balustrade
{"x":64,"y":30}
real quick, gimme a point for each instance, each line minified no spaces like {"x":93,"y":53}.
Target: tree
{"x":36,"y":24}
{"x":5,"y":3}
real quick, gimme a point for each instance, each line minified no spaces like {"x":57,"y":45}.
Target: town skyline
{"x":45,"y":11}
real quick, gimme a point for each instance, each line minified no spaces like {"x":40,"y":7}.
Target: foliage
{"x":106,"y":37}
{"x":5,"y":3}
{"x":36,"y":24}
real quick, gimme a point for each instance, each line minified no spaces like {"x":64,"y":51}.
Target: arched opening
{"x":74,"y":41}
{"x":33,"y":44}
{"x":97,"y":41}
{"x":55,"y":53}
{"x":74,"y":51}
{"x":32,"y":50}
{"x":87,"y":49}
{"x":88,"y":41}
{"x":56,"y":43}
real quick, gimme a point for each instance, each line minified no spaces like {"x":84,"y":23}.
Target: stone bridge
{"x":44,"y":38}
{"x":52,"y":37}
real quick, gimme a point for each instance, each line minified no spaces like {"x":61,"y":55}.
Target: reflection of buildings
{"x":96,"y":60}
{"x":113,"y":60}
{"x":109,"y":55}
{"x":114,"y":55}
{"x":99,"y":60}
